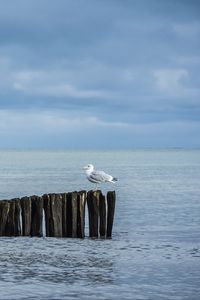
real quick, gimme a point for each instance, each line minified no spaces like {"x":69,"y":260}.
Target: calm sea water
{"x":155,"y":250}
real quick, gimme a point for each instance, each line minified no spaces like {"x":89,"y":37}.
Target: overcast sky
{"x":99,"y":73}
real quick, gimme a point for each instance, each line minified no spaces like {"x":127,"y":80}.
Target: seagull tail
{"x":114,"y":179}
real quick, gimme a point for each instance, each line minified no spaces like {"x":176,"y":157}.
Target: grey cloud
{"x":134,"y":62}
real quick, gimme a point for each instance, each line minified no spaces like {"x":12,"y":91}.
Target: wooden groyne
{"x":59,"y":215}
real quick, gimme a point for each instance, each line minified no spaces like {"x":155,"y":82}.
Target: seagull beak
{"x":85,"y":168}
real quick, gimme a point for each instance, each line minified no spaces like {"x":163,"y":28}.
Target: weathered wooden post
{"x":81,"y":214}
{"x":18,"y":229}
{"x":25,"y":203}
{"x":93,"y":212}
{"x":69,"y":215}
{"x":74,"y":199}
{"x":4,"y":209}
{"x":12,"y":226}
{"x":102,"y":215}
{"x":53,"y":210}
{"x":47,"y":213}
{"x":10,"y":222}
{"x":64,"y":214}
{"x":110,"y":213}
{"x":36,"y":216}
{"x":56,"y":214}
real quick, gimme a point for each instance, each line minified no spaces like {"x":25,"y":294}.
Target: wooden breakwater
{"x":58,"y":215}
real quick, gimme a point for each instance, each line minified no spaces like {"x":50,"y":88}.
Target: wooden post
{"x":36,"y":216}
{"x":102,"y":215}
{"x":81,"y":214}
{"x":64,"y":214}
{"x":18,"y":228}
{"x":93,"y":212}
{"x":10,"y":223}
{"x":25,"y":203}
{"x":74,"y":200}
{"x":53,"y":214}
{"x":111,"y":211}
{"x":56,"y":211}
{"x":13,"y":226}
{"x":48,"y":215}
{"x":69,"y":215}
{"x":4,"y":209}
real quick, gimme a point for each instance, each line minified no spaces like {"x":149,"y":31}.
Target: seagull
{"x":98,"y":176}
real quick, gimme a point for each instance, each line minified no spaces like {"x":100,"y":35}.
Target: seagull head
{"x":89,"y":167}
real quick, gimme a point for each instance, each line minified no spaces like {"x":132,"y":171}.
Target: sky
{"x":99,"y":74}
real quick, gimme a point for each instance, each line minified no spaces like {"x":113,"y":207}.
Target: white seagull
{"x":98,"y":176}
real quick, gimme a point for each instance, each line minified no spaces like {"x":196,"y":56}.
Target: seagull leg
{"x":96,"y":186}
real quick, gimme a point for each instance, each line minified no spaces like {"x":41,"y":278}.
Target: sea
{"x":154,"y":253}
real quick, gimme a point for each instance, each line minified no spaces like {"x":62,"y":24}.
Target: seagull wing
{"x":100,"y":176}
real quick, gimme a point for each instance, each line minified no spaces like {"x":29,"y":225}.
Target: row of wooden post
{"x":64,"y":215}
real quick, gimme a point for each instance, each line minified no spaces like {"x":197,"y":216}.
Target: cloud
{"x":170,"y":80}
{"x":188,"y":60}
{"x":174,"y":83}
{"x":188,"y":30}
{"x":78,"y":80}
{"x":51,"y":121}
{"x":5,"y":72}
{"x":59,"y":90}
{"x":4,"y":61}
{"x":116,"y":69}
{"x":58,"y":129}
